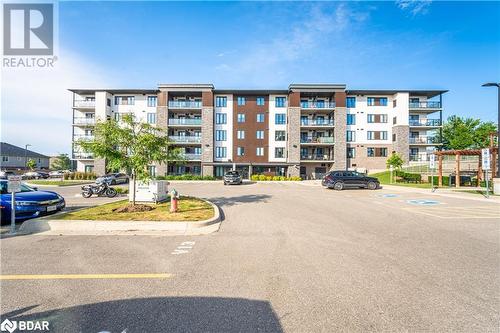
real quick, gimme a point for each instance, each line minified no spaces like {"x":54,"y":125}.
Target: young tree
{"x":62,"y":162}
{"x":395,"y":160}
{"x":31,"y":164}
{"x":131,"y":145}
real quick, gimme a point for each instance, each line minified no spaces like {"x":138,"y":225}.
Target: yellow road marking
{"x":83,"y":276}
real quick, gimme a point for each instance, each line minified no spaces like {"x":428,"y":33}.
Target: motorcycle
{"x":100,"y":189}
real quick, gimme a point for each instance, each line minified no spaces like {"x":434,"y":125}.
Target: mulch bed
{"x":133,"y":209}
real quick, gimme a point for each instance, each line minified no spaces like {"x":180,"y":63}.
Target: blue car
{"x":30,"y":203}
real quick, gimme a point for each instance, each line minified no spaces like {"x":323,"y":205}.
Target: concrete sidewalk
{"x":445,"y":193}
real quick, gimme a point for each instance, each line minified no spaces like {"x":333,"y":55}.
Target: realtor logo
{"x":28,"y":29}
{"x":8,"y":325}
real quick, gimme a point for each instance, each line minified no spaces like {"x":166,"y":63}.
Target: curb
{"x":443,"y":193}
{"x":110,"y":227}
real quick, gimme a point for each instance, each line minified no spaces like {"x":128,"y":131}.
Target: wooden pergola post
{"x":479,"y":170}
{"x":493,"y":162}
{"x":457,"y":170}
{"x":440,"y":170}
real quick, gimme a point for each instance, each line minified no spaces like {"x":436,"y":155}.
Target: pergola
{"x":464,"y":152}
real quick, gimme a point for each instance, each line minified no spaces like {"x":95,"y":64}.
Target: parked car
{"x":232,"y":177}
{"x":113,"y":178}
{"x":57,"y":174}
{"x":6,"y":174}
{"x":36,"y":175}
{"x":30,"y":203}
{"x":339,"y":180}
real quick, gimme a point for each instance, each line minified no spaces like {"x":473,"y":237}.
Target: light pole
{"x":26,"y":156}
{"x":496,"y":181}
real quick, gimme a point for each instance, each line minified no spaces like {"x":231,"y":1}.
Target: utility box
{"x":153,"y":191}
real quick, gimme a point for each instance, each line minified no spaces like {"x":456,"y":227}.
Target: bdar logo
{"x":8,"y":325}
{"x":28,"y":29}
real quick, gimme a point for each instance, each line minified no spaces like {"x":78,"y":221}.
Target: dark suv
{"x":232,"y":177}
{"x":339,"y":180}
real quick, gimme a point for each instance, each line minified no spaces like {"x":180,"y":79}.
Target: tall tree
{"x":131,"y":145}
{"x":62,"y":162}
{"x":466,"y":133}
{"x":31,"y":164}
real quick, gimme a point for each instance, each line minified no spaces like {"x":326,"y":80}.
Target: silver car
{"x":113,"y":178}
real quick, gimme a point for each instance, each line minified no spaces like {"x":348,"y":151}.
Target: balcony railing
{"x":419,"y":158}
{"x":84,"y":104}
{"x":425,"y":105}
{"x":184,"y":104}
{"x":316,"y":139}
{"x":191,"y":157}
{"x":316,"y":157}
{"x":83,"y":121}
{"x":184,"y":121}
{"x":423,"y":139}
{"x":83,"y":156}
{"x":317,"y":105}
{"x":316,"y":122}
{"x":426,"y":123}
{"x":77,"y":137}
{"x":185,"y":139}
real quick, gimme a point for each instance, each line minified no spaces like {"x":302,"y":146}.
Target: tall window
{"x":280,"y":118}
{"x":220,"y":118}
{"x":377,"y":101}
{"x":152,"y":170}
{"x":350,"y":102}
{"x":124,"y":100}
{"x":240,"y":151}
{"x":351,"y":136}
{"x":259,"y":151}
{"x":376,"y":135}
{"x":152,"y":101}
{"x":376,"y":152}
{"x":220,"y":135}
{"x":279,"y":136}
{"x":376,"y":118}
{"x":280,"y":102}
{"x":351,"y":119}
{"x":260,"y":134}
{"x":260,"y":101}
{"x":151,"y":118}
{"x":221,"y":101}
{"x":241,"y":100}
{"x":241,"y":117}
{"x":260,"y":117}
{"x":220,"y":152}
{"x":279,"y":152}
{"x":351,"y":152}
{"x":240,"y":135}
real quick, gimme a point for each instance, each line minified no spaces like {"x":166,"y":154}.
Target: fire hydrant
{"x":174,"y":198}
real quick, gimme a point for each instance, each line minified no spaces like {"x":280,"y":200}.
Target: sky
{"x":405,"y":44}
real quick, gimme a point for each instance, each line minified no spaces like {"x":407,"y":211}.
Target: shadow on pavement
{"x":160,"y":314}
{"x":231,"y":201}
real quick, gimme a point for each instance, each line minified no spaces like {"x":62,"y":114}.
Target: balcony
{"x":84,"y":137}
{"x":192,"y":157}
{"x":83,"y":121}
{"x":317,"y":157}
{"x":84,"y":104}
{"x":419,"y":157}
{"x":424,"y":140}
{"x":425,"y":123}
{"x":82,"y":156}
{"x":185,"y":139}
{"x":316,"y":122}
{"x":317,"y":139}
{"x":184,"y":104}
{"x":425,"y":105}
{"x":184,"y":122}
{"x":317,"y":105}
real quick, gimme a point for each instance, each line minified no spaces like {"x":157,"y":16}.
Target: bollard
{"x":174,"y":198}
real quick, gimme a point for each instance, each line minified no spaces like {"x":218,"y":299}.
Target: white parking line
{"x":183,"y":248}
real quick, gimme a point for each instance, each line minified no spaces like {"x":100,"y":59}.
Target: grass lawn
{"x":58,"y":182}
{"x":385,"y":179}
{"x":190,"y":209}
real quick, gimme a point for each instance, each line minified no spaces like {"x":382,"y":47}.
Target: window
{"x":376,"y":152}
{"x":240,"y":151}
{"x":108,"y":102}
{"x":376,"y":135}
{"x":350,"y":102}
{"x":5,"y":158}
{"x":220,"y":118}
{"x":351,"y":136}
{"x":241,"y":100}
{"x":351,"y":119}
{"x":260,"y":117}
{"x":259,"y":151}
{"x":151,"y":101}
{"x":221,"y":101}
{"x":241,"y":117}
{"x":124,"y":100}
{"x":260,"y":134}
{"x":220,"y":135}
{"x":280,"y":118}
{"x":152,"y":170}
{"x":117,"y":116}
{"x":279,"y":152}
{"x":280,"y":102}
{"x":151,"y":118}
{"x":279,"y":136}
{"x":351,"y":152}
{"x":220,"y":152}
{"x":376,"y":118}
{"x":260,"y":101}
{"x":377,"y":101}
{"x":240,"y":135}
{"x":89,"y":168}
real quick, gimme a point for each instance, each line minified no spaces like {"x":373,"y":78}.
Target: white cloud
{"x":415,"y":7}
{"x":36,"y":105}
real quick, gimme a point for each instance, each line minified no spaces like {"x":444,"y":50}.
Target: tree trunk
{"x":133,"y":194}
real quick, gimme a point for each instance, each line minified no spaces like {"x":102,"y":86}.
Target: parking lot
{"x":288,"y":257}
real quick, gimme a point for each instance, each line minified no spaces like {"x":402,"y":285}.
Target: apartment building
{"x":305,"y":130}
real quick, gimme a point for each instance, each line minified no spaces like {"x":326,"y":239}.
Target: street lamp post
{"x":496,"y":181}
{"x":26,"y":156}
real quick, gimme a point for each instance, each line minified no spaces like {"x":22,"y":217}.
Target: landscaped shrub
{"x":121,"y":190}
{"x":273,"y":178}
{"x":446,"y":180}
{"x":262,"y":177}
{"x":254,"y":177}
{"x":185,"y":177}
{"x":408,"y":177}
{"x":79,"y":176}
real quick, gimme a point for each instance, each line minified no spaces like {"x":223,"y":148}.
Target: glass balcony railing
{"x":185,"y":139}
{"x":419,"y":158}
{"x":426,"y":122}
{"x":184,"y":104}
{"x":78,"y":137}
{"x":83,"y":121}
{"x":83,"y":156}
{"x":184,"y":121}
{"x":317,"y":105}
{"x":86,"y":104}
{"x":316,"y":139}
{"x":192,"y":156}
{"x":316,"y":122}
{"x":425,"y":105}
{"x":424,"y":139}
{"x":316,"y":157}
